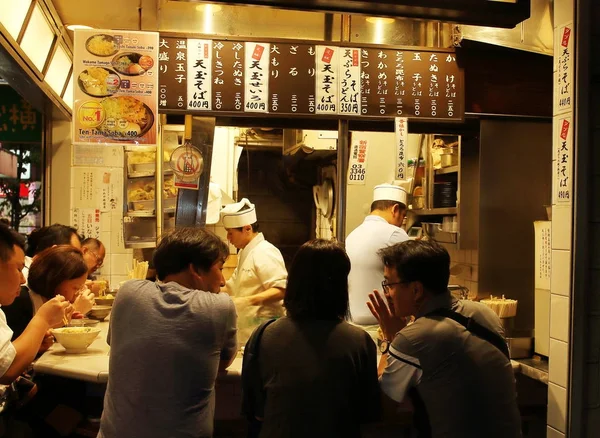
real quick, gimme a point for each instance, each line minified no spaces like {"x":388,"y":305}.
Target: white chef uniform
{"x":260,"y":266}
{"x":362,"y":245}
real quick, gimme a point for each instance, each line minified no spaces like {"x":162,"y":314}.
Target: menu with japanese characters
{"x":116,"y":91}
{"x":300,"y":78}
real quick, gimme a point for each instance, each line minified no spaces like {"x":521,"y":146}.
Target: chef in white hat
{"x":258,"y":282}
{"x":380,"y":228}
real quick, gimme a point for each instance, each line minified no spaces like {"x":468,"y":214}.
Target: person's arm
{"x":270,"y":270}
{"x":229,"y":350}
{"x":269,"y":296}
{"x":28,"y":344}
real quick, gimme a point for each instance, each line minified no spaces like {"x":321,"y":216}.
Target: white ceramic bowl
{"x":104,"y":301}
{"x":75,"y":339}
{"x":99,"y":312}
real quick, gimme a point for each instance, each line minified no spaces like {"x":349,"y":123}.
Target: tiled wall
{"x":465,"y":263}
{"x":560,"y":284}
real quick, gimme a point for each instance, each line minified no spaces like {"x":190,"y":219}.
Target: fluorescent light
{"x":12,"y":15}
{"x":58,"y":72}
{"x":380,"y":20}
{"x":78,"y":26}
{"x":38,"y":38}
{"x":210,"y":9}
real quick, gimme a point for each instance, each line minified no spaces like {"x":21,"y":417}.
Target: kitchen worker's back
{"x":258,"y":283}
{"x":381,"y":228}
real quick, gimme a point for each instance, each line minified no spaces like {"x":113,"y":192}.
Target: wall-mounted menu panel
{"x":300,"y":78}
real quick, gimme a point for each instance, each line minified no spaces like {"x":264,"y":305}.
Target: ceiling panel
{"x":113,"y":14}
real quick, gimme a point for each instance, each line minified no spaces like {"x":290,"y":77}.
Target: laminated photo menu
{"x":116,"y":87}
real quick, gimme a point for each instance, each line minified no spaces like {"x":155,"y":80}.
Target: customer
{"x":47,"y":237}
{"x":16,"y":356}
{"x":318,"y":373}
{"x":380,"y":229}
{"x":168,"y":340}
{"x":59,"y":270}
{"x":93,"y":254}
{"x":461,"y":383}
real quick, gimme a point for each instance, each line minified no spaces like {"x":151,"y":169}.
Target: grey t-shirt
{"x":166,"y":344}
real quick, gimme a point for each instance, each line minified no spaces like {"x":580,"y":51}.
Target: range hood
{"x":492,"y":13}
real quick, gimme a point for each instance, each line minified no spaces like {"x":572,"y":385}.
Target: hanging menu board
{"x":116,"y":87}
{"x":288,"y":78}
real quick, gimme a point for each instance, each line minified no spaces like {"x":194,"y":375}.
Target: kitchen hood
{"x":492,"y":13}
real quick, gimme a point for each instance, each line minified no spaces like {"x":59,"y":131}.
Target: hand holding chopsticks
{"x":55,"y":312}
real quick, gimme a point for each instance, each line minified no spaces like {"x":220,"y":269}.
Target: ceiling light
{"x":211,"y":9}
{"x":382,"y":20}
{"x":78,"y":26}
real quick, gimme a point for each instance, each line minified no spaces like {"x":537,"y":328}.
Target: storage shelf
{"x":139,"y":245}
{"x":436,"y":211}
{"x":446,"y":170}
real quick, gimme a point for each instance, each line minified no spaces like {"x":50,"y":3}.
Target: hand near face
{"x":389,"y":323}
{"x":84,"y":302}
{"x":53,"y":311}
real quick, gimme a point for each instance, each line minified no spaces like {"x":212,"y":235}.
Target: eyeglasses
{"x":386,"y":286}
{"x":99,"y":261}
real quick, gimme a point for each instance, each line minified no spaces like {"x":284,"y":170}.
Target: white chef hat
{"x":389,"y":192}
{"x":213,"y":208}
{"x":239,"y":214}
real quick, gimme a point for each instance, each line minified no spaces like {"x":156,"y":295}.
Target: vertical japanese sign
{"x":564,"y":160}
{"x":350,"y":98}
{"x":172,"y":60}
{"x":401,"y":130}
{"x":543,"y":254}
{"x":228,"y":76}
{"x":416,"y":86}
{"x":399,"y":82}
{"x":434,"y":85}
{"x":564,"y":75}
{"x":292,"y":83}
{"x":382,"y":80}
{"x":116,"y":91}
{"x":199,"y":65}
{"x":327,"y":79}
{"x":357,"y":169}
{"x":256,"y":77}
{"x":19,"y":122}
{"x":365,"y":82}
{"x":450,"y":89}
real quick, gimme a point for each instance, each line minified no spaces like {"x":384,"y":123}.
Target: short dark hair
{"x":188,"y":246}
{"x":384,"y":205}
{"x":9,"y":238}
{"x":317,"y":286}
{"x":53,"y":266}
{"x":91,"y":242}
{"x":254,"y":227}
{"x":47,"y":237}
{"x":419,"y":260}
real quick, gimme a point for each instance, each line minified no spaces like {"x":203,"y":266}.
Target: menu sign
{"x":301,"y":78}
{"x":116,"y":95}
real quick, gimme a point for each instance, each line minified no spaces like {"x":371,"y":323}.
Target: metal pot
{"x":448,"y":160}
{"x":418,"y":202}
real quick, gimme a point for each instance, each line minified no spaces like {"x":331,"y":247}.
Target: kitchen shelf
{"x":436,"y":211}
{"x":141,"y":213}
{"x":140,"y":245}
{"x":446,"y":170}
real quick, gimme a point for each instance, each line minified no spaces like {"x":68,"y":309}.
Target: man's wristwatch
{"x":384,"y":346}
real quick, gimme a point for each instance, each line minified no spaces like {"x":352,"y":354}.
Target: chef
{"x":258,"y":282}
{"x":381,"y":228}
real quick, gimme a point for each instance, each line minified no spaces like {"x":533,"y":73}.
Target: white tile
{"x":460,"y":256}
{"x":475,"y":257}
{"x":563,"y":12}
{"x":560,"y":282}
{"x":116,"y":279}
{"x":475,"y":273}
{"x":558,"y":372}
{"x":120,"y":264}
{"x":559,"y":318}
{"x":557,"y":407}
{"x":106,"y":241}
{"x":106,"y":221}
{"x":553,"y":433}
{"x":474,"y":289}
{"x":561,"y":227}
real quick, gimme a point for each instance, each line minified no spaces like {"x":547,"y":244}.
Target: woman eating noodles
{"x":60,"y":270}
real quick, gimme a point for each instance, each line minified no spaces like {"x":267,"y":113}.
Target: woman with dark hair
{"x":59,"y":270}
{"x":318,"y":374}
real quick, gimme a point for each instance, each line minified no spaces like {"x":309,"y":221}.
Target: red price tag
{"x":566,"y":36}
{"x":327,"y":55}
{"x":564,"y":131}
{"x":205,"y":51}
{"x":258,"y":51}
{"x":355,"y":54}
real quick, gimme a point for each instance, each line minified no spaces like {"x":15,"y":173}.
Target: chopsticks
{"x":65,"y":320}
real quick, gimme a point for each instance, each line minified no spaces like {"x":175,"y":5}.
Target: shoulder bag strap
{"x":474,"y":327}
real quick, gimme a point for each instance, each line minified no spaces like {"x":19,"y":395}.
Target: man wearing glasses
{"x":452,"y":361}
{"x":380,"y":229}
{"x":93,"y":253}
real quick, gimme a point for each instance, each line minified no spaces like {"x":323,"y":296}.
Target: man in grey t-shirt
{"x":168,"y":341}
